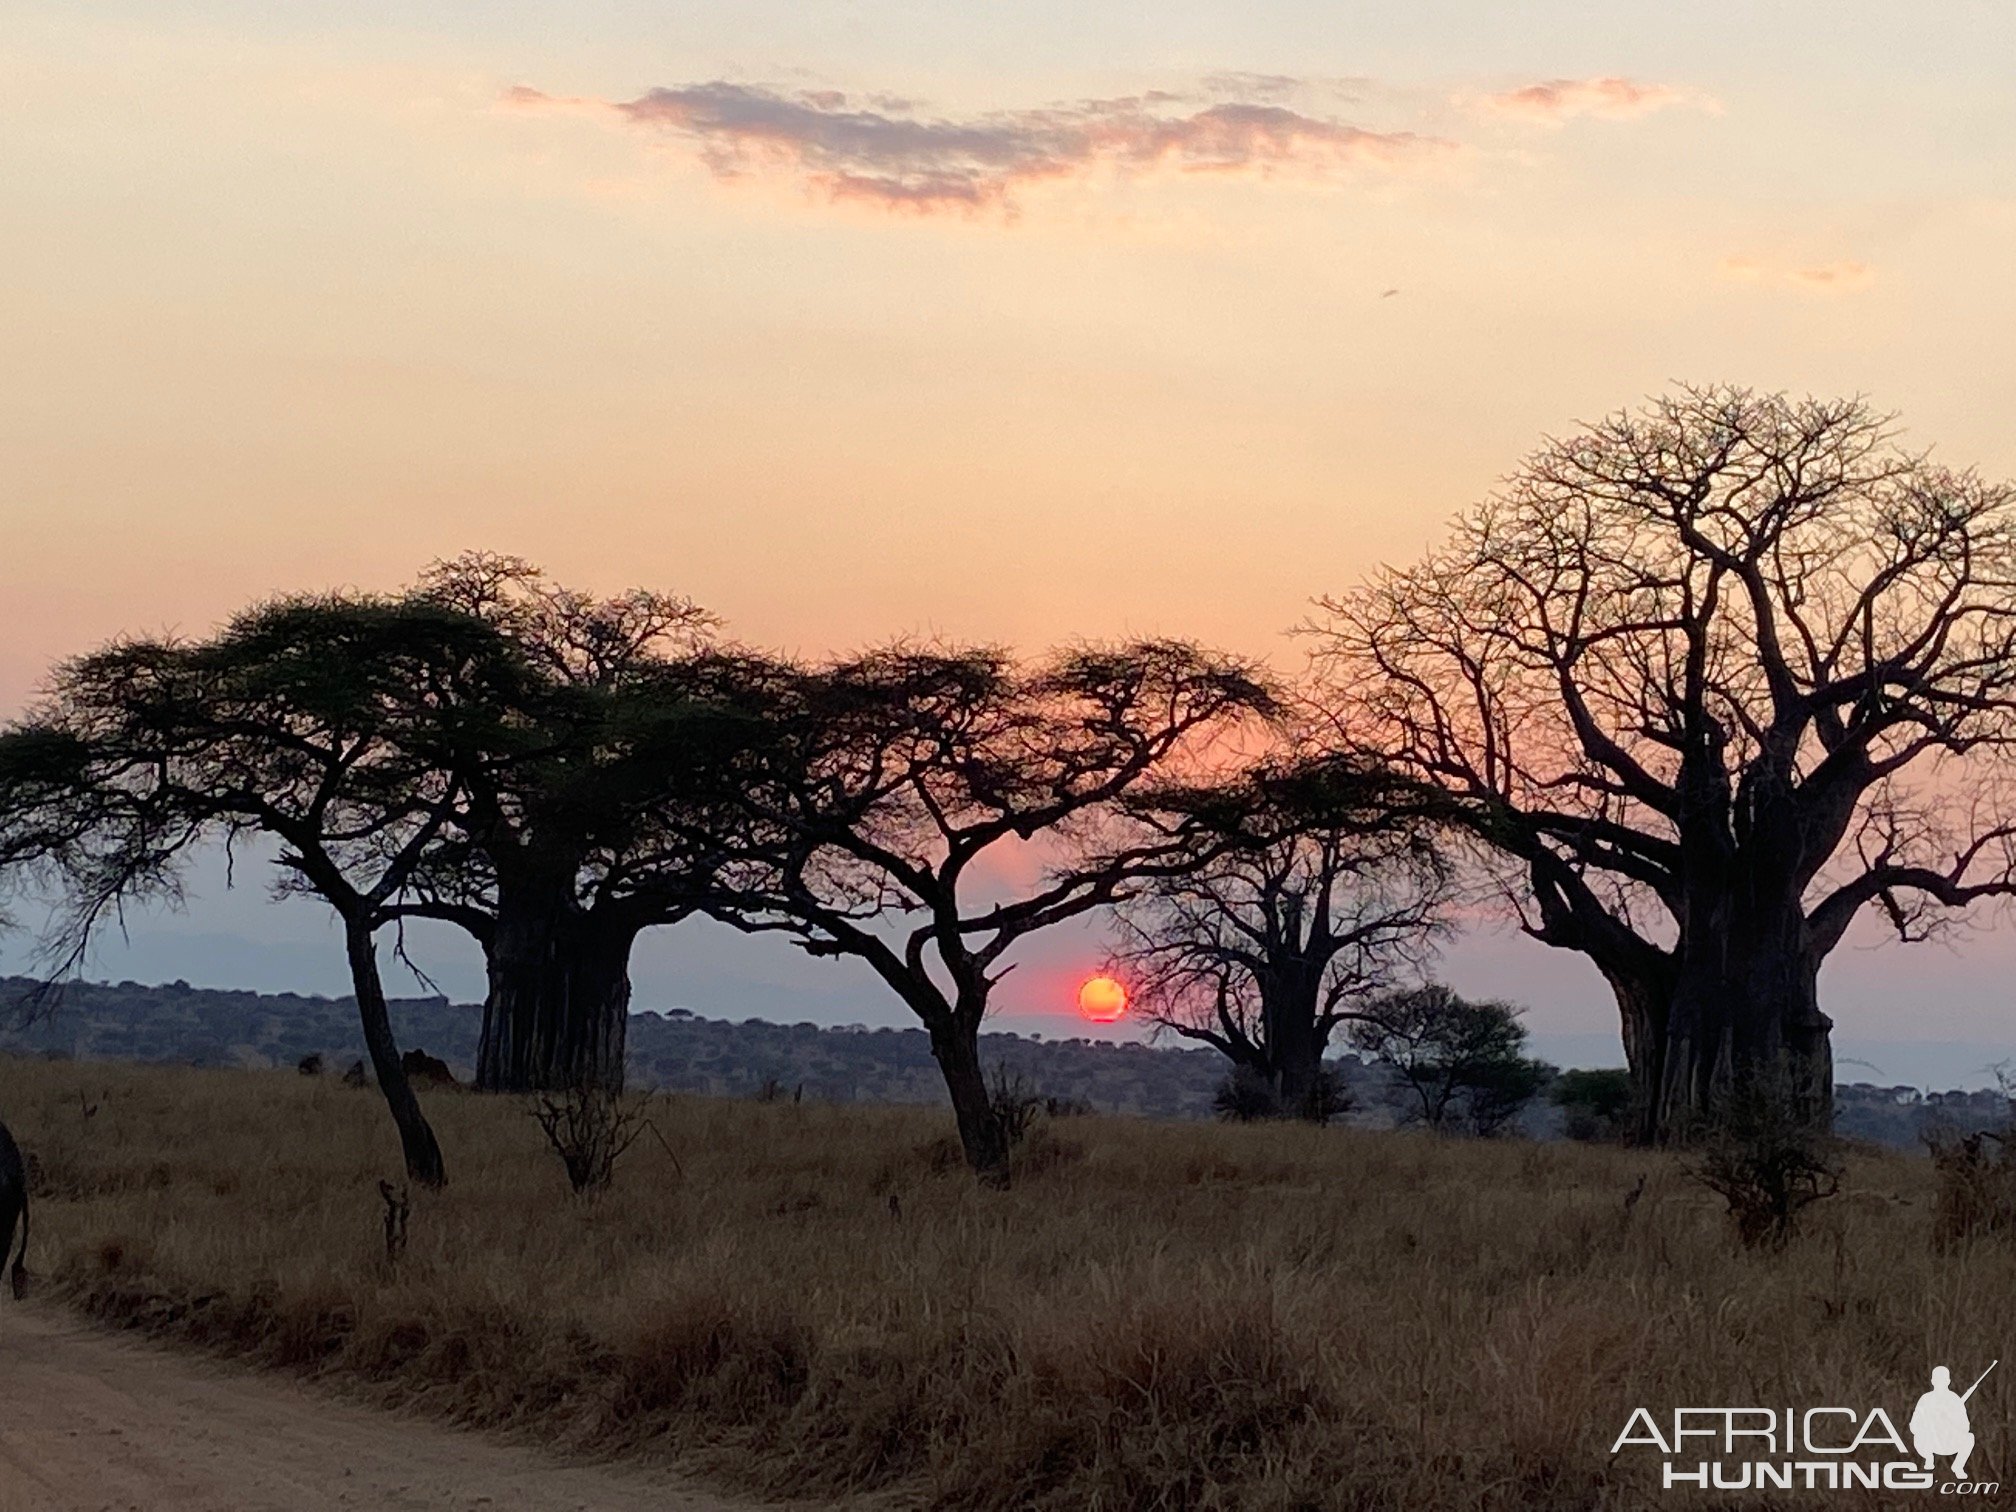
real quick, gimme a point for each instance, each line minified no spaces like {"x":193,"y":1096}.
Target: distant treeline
{"x":682,"y":1052}
{"x":676,"y":1051}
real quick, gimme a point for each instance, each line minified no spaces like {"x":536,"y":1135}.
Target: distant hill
{"x":679,"y":1051}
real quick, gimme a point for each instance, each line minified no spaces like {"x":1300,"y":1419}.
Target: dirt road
{"x":90,"y":1422}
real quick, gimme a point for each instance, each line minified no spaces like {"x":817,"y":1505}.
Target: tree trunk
{"x":956,"y":1047}
{"x":559,"y":1002}
{"x":1643,"y":1002}
{"x":1739,"y":1012}
{"x":1294,"y":1047}
{"x":1747,"y":1023}
{"x":1298,"y":1079}
{"x":416,"y":1136}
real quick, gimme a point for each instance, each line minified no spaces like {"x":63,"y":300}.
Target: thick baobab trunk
{"x":1295,"y":1052}
{"x":1756,"y":1028}
{"x":1738,"y":1012}
{"x":1643,"y":1004}
{"x":956,"y":1048}
{"x":559,"y":1001}
{"x":1300,"y":1085}
{"x":416,"y":1136}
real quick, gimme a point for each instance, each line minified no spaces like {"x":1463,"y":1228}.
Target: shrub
{"x":1499,"y":1092}
{"x":1974,"y":1189}
{"x":1245,"y":1097}
{"x":1329,"y":1099}
{"x":1594,"y":1104}
{"x":589,"y":1129}
{"x":1044,"y":1150}
{"x":1015,"y":1101}
{"x":1767,"y":1163}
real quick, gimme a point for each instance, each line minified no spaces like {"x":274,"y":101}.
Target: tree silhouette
{"x":577,"y":826}
{"x":1714,"y":677}
{"x":580,"y":734}
{"x":300,"y":722}
{"x":923,"y":785}
{"x":1311,"y":886}
{"x":1462,"y":1064}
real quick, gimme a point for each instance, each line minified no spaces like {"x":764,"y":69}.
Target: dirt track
{"x":90,"y":1422}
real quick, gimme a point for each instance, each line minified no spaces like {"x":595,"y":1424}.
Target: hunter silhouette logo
{"x":1939,"y":1425}
{"x":1830,"y":1448}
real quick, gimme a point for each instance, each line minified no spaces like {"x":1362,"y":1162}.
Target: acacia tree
{"x":48,"y":804}
{"x":1459,"y":1064}
{"x":1311,"y":885}
{"x":907,"y":791}
{"x":1714,"y":677}
{"x":579,"y":735}
{"x":298,"y":722}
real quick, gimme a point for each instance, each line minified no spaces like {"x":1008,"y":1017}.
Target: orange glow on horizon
{"x":1102,"y":1000}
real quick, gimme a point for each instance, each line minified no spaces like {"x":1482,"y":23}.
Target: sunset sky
{"x":1016,"y":321}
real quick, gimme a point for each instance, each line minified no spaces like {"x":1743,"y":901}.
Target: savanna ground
{"x":813,"y":1301}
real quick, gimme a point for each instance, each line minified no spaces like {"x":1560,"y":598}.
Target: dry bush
{"x":398,"y":1215}
{"x":1267,"y":1318}
{"x":1975,"y":1175}
{"x":1042,"y":1149}
{"x":1015,"y":1101}
{"x":1974,"y":1185}
{"x":1245,"y":1096}
{"x":589,"y":1128}
{"x":1767,"y":1164}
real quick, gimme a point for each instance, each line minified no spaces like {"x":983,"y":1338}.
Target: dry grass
{"x":1159,"y":1316}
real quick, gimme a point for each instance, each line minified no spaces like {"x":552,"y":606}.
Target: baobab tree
{"x":1313,"y":885}
{"x":924,"y":811}
{"x":579,"y":821}
{"x":1714,"y":678}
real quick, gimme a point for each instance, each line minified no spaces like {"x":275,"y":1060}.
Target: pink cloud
{"x":1839,"y":277}
{"x":886,"y":152}
{"x":1834,"y":275}
{"x":1611,"y":98}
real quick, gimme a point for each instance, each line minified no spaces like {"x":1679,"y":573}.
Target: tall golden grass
{"x":812,"y":1301}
